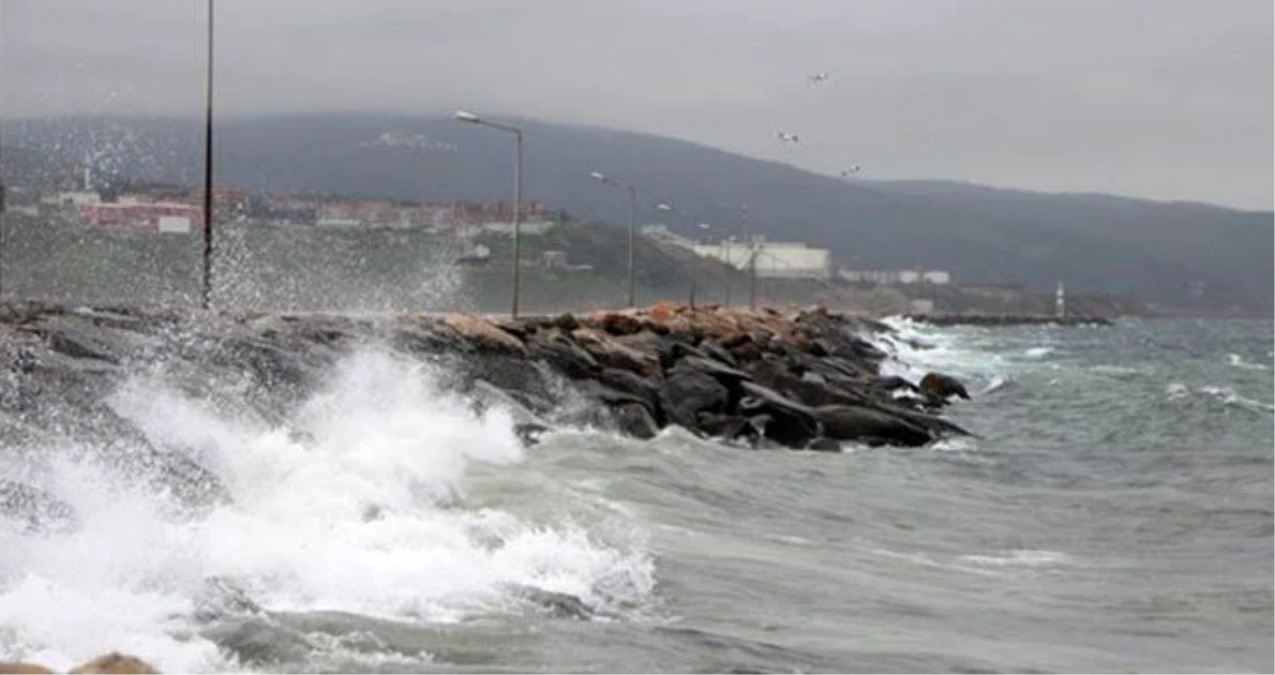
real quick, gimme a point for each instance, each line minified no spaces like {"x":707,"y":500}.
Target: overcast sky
{"x":1165,"y":99}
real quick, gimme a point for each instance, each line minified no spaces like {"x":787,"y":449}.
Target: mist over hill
{"x":1178,"y":254}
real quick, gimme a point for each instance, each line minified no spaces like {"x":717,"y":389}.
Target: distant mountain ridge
{"x":1179,"y":253}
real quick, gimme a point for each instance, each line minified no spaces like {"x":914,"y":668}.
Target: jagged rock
{"x":617,"y":323}
{"x":824,"y":444}
{"x":942,"y":387}
{"x":717,"y":369}
{"x":725,"y":427}
{"x":716,"y":351}
{"x":608,"y":352}
{"x":686,"y":393}
{"x":563,"y":354}
{"x":635,"y":420}
{"x":485,"y":333}
{"x":789,"y":422}
{"x":634,"y":385}
{"x":894,"y":383}
{"x":851,"y":423}
{"x":672,"y":349}
{"x":566,"y":322}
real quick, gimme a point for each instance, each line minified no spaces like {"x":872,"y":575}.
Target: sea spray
{"x":356,"y":503}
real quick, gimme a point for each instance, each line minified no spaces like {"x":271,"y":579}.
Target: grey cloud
{"x":1159,"y":98}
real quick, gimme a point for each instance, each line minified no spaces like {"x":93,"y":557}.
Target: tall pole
{"x":471,"y":118}
{"x":513,"y":310}
{"x":632,"y":243}
{"x":208,"y":167}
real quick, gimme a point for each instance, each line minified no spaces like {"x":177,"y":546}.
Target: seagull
{"x":788,"y":138}
{"x":846,"y":173}
{"x":818,"y":77}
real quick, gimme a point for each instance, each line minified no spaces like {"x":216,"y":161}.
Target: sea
{"x":1112,"y":514}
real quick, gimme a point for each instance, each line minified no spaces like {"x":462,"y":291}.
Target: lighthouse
{"x":1060,"y":302}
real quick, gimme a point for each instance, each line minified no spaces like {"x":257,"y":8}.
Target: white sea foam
{"x":1228,"y":396}
{"x":1239,"y":362}
{"x":382,"y":437}
{"x":1019,"y":558}
{"x":1038,"y":352}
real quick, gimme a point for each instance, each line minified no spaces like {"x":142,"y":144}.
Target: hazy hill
{"x":1175,"y":253}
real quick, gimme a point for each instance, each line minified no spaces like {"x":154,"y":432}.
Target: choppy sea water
{"x":1114,"y":515}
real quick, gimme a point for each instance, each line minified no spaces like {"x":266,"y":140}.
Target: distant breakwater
{"x":1007,"y":320}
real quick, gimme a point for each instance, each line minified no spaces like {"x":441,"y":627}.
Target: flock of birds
{"x":789,"y":138}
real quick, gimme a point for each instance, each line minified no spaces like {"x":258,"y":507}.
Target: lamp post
{"x":632,"y":226}
{"x":206,"y":291}
{"x":694,"y":262}
{"x":471,"y":118}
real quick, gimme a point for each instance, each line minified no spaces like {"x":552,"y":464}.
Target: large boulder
{"x":940,"y":387}
{"x":609,"y":352}
{"x":634,"y":385}
{"x":687,"y":392}
{"x":563,"y":354}
{"x":858,"y":423}
{"x":787,"y":422}
{"x":635,"y":420}
{"x":485,"y":334}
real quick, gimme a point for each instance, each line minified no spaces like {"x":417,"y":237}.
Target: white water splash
{"x":351,"y":506}
{"x":1239,"y":362}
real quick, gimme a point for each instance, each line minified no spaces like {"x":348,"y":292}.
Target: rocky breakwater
{"x":802,"y":380}
{"x":807,"y":379}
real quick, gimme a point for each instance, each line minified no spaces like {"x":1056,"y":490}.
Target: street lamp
{"x":206,"y":290}
{"x":598,"y":176}
{"x":465,"y":116}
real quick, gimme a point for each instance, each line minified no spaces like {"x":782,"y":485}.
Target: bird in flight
{"x":816,"y":78}
{"x":785,"y":137}
{"x":846,"y":173}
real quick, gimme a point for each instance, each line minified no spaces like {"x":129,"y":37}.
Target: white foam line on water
{"x":382,"y":434}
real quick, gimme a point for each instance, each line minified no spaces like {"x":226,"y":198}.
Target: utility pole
{"x":206,"y":298}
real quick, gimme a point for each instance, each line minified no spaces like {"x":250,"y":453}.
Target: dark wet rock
{"x":726,"y":427}
{"x":687,"y":392}
{"x":634,"y":385}
{"x":530,"y":432}
{"x":556,"y":604}
{"x":942,"y":387}
{"x":34,"y":510}
{"x":894,"y":383}
{"x":672,"y":349}
{"x":824,"y":444}
{"x":617,"y":323}
{"x":852,"y":423}
{"x":563,"y":354}
{"x":566,"y":322}
{"x":716,"y":351}
{"x":790,"y":422}
{"x":717,"y":369}
{"x":635,"y":420}
{"x":612,"y":353}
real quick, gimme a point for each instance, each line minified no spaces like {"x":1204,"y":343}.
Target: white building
{"x":775,"y":259}
{"x":890,"y":277}
{"x":72,"y":198}
{"x":531,"y":227}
